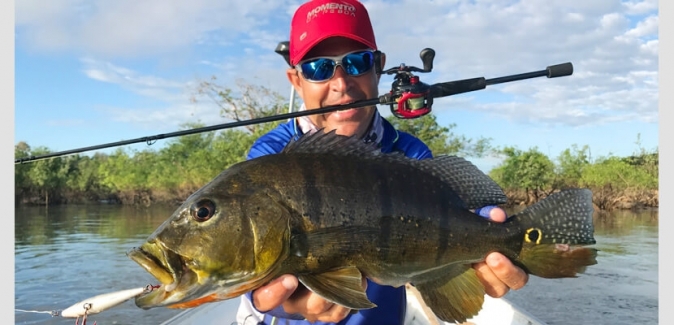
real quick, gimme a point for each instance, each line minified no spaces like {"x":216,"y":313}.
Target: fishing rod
{"x":409,"y":98}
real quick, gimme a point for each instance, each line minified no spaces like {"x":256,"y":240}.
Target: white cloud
{"x":646,"y":27}
{"x":181,"y":100}
{"x":614,"y":53}
{"x":640,"y":7}
{"x":166,"y":118}
{"x":146,"y":85}
{"x":111,"y":28}
{"x":650,"y":48}
{"x":613,"y":46}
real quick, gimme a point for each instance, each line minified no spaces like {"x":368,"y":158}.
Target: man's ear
{"x":294,"y":78}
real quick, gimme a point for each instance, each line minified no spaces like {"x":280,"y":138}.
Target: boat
{"x":495,"y":311}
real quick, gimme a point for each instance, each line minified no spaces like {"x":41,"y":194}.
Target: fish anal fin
{"x":456,"y":299}
{"x":343,"y":286}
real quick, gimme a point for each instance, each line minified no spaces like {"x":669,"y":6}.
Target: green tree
{"x":47,"y":175}
{"x":116,"y":171}
{"x":84,"y":179}
{"x":615,"y":172}
{"x":572,"y":162}
{"x":22,"y":184}
{"x":623,"y":181}
{"x":531,"y":171}
{"x":191,"y":155}
{"x":231,"y":147}
{"x":647,"y":160}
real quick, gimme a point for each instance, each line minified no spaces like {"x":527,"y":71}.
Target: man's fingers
{"x":334,"y":314}
{"x":497,"y":215}
{"x":493,"y":213}
{"x":492,"y":285}
{"x":513,"y":277}
{"x":275,"y":293}
{"x":499,"y":275}
{"x":315,"y":308}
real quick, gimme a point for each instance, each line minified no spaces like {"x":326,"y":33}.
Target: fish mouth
{"x":179,"y":283}
{"x":183,"y":287}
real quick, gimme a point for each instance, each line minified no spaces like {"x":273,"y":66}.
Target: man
{"x":331,"y":54}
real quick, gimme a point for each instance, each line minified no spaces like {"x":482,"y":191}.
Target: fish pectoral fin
{"x":455,"y":299}
{"x":343,"y":286}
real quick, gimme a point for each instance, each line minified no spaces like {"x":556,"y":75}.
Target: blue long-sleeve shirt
{"x":391,"y":302}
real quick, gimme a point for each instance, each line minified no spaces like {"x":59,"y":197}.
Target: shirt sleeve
{"x":270,"y":143}
{"x":412,"y":146}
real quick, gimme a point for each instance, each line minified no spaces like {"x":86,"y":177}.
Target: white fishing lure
{"x":102,"y":302}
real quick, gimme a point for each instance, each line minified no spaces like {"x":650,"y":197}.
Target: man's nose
{"x":341,"y":81}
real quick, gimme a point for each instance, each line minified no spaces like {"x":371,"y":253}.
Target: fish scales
{"x":394,"y":203}
{"x":331,"y":209}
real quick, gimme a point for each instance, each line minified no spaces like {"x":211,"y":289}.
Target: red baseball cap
{"x":317,"y":20}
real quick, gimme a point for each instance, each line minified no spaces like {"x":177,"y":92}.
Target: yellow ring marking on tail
{"x":533,"y":235}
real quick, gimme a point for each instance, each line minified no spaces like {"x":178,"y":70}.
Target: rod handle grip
{"x":560,"y":70}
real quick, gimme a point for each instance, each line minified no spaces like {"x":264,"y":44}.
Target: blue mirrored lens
{"x":354,"y":64}
{"x":358,"y":63}
{"x":319,"y":69}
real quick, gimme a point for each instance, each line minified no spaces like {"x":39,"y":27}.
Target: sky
{"x":94,"y":72}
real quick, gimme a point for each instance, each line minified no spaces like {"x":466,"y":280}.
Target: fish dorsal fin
{"x":331,"y":142}
{"x":342,"y":286}
{"x":474,"y":188}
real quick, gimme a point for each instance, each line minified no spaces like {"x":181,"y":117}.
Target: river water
{"x":65,"y":254}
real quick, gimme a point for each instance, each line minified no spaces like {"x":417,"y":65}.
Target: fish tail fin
{"x":555,"y":231}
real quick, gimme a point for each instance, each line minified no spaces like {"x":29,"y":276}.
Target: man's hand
{"x":285,"y":291}
{"x":497,"y":273}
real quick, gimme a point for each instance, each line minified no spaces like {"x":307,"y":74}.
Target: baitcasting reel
{"x":409,"y":97}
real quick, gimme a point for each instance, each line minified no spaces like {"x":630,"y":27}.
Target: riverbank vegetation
{"x":186,"y":163}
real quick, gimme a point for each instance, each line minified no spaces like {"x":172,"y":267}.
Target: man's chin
{"x":347,"y":128}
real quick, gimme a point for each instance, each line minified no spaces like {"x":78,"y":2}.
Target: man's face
{"x":340,"y":89}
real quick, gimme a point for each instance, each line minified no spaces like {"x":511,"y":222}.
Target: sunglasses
{"x":323,"y":68}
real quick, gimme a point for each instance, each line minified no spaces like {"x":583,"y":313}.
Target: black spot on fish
{"x":299,"y":245}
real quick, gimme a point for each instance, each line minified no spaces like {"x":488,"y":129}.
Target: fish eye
{"x":203,"y":210}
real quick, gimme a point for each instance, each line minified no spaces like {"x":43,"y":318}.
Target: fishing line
{"x":53,"y":312}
